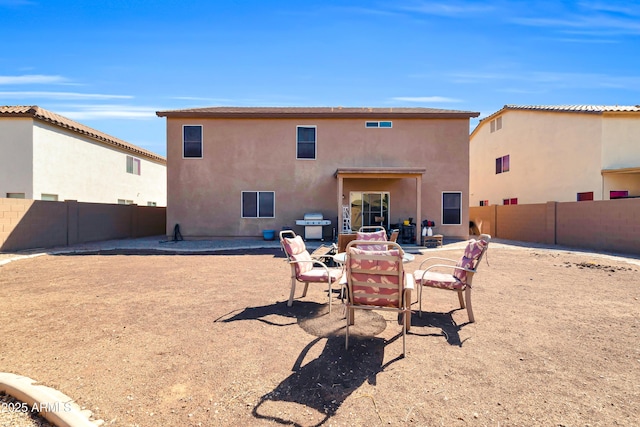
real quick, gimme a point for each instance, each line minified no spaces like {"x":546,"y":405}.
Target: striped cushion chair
{"x":376,"y":281}
{"x":460,"y":273}
{"x":375,"y":236}
{"x":304,"y":268}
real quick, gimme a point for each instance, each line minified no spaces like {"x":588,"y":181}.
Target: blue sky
{"x":112,"y":64}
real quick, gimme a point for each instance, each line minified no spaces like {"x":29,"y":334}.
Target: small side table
{"x":435,"y":240}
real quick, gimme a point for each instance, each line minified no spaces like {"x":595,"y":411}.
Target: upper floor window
{"x":385,"y":124}
{"x":258,"y":204}
{"x":133,"y":165}
{"x":192,"y":141}
{"x":452,"y":208}
{"x":496,"y":124}
{"x":502,"y":164}
{"x":15,"y":195}
{"x":618,"y":194}
{"x":306,"y":142}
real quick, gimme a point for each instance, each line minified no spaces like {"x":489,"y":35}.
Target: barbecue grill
{"x":313,"y":223}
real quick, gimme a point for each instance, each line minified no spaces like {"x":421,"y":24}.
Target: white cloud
{"x":425,"y":99}
{"x":31,"y":79}
{"x":61,"y":95}
{"x":446,"y":8}
{"x":108,"y":111}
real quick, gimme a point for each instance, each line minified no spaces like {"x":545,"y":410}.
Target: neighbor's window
{"x":452,"y":208}
{"x":133,"y":165}
{"x":502,"y":164}
{"x":583,"y":197}
{"x":484,"y":203}
{"x":618,"y":194}
{"x":512,"y":201}
{"x":15,"y":195}
{"x":496,"y":124}
{"x":258,"y":204}
{"x":385,"y":124}
{"x":152,"y":204}
{"x":306,"y":142}
{"x":192,"y":141}
{"x":49,"y":197}
{"x":125,"y":202}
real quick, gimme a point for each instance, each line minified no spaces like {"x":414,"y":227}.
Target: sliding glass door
{"x":369,"y":209}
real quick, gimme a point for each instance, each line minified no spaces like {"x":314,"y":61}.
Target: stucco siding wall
{"x":77,"y":168}
{"x":553,"y":156}
{"x":260,"y":155}
{"x":16,"y":168}
{"x":620,"y":147}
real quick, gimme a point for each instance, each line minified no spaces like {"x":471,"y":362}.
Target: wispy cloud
{"x":536,"y":79}
{"x":452,"y":8}
{"x":426,"y":99}
{"x":31,"y":79}
{"x":69,"y":96}
{"x":108,"y":111}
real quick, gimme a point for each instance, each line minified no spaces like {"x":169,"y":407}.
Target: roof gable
{"x":47,"y":116}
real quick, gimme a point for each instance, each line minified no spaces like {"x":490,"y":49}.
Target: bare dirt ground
{"x":207,"y":340}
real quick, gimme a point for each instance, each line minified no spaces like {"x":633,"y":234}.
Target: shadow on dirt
{"x":315,"y":390}
{"x":443,"y":321}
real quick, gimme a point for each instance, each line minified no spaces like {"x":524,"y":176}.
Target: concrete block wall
{"x":604,"y":225}
{"x":30,"y":224}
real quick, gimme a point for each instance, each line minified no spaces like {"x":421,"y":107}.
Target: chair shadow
{"x":443,"y":321}
{"x":316,"y":389}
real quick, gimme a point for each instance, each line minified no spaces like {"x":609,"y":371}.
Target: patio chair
{"x":374,"y":236}
{"x":304,"y":268}
{"x":376,"y":280}
{"x":461,"y":276}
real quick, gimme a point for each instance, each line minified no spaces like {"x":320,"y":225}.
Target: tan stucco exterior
{"x":250,"y":150}
{"x":41,"y":158}
{"x":555,"y":153}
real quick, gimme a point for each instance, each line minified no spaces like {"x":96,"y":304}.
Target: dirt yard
{"x":207,"y":340}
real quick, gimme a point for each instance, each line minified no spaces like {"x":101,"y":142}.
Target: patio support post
{"x":340,"y":202}
{"x":418,"y":208}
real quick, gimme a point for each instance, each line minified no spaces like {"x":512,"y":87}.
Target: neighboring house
{"x":45,"y":156}
{"x":234,"y":172}
{"x":536,"y":154}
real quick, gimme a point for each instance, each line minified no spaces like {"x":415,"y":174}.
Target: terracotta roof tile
{"x":63,"y":122}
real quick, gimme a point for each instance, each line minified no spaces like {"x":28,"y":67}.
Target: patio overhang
{"x":621,"y":170}
{"x":381,"y":173}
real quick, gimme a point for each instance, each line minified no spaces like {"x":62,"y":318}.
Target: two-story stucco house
{"x":537,"y":154}
{"x":236,"y":171}
{"x":45,"y":156}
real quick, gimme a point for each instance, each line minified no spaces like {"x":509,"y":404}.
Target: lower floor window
{"x":258,"y":204}
{"x":582,"y":197}
{"x":15,"y":195}
{"x":125,"y":202}
{"x":49,"y":197}
{"x":452,"y":208}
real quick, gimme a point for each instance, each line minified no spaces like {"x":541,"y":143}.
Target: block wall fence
{"x":29,"y":224}
{"x":603,"y":225}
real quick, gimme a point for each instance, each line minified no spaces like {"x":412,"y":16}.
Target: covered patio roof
{"x":381,"y":173}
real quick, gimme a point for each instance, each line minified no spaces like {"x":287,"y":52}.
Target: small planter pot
{"x":268,"y":234}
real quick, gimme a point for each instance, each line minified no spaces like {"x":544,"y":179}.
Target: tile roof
{"x":318,"y":112}
{"x":587,"y":109}
{"x":38,"y":113}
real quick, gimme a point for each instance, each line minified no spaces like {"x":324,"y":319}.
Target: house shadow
{"x":448,"y":327}
{"x":316,"y":388}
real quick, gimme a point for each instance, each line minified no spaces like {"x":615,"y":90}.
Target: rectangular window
{"x":152,"y":204}
{"x":15,"y":195}
{"x":306,"y":142}
{"x":583,"y":197}
{"x":514,"y":201}
{"x":452,"y":208}
{"x":618,"y":194}
{"x":496,"y":124}
{"x":192,"y":141}
{"x":49,"y":197}
{"x":384,"y":124}
{"x":258,"y":204}
{"x":502,"y":164}
{"x":133,"y":165}
{"x":484,"y":203}
{"x":125,"y":202}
